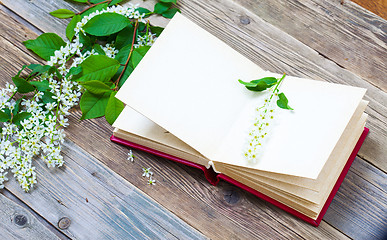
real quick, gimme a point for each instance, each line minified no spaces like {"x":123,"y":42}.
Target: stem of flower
{"x":127,"y":60}
{"x":92,"y":5}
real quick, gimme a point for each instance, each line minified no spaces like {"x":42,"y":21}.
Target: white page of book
{"x":188,"y":84}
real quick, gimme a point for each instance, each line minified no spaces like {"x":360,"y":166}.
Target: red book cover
{"x":214,"y":178}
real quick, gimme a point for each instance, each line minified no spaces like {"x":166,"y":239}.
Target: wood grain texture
{"x":26,"y":225}
{"x":379,"y":7}
{"x":185,"y":192}
{"x":347,"y":34}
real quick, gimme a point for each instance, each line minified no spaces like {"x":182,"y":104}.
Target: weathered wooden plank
{"x":18,"y":223}
{"x":379,"y":7}
{"x":186,"y":194}
{"x":345,"y":33}
{"x":360,"y":207}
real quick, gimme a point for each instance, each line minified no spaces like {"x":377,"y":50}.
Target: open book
{"x":184,"y":102}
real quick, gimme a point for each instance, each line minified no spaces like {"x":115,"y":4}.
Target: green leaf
{"x":45,"y":45}
{"x":81,"y":1}
{"x":63,"y":13}
{"x":4,"y":117}
{"x":156,"y":30}
{"x":41,"y":86}
{"x":161,"y":7}
{"x":138,"y":54}
{"x":18,"y":118}
{"x":96,"y":1}
{"x":37,"y":68}
{"x":70,"y":27}
{"x":282,"y":102}
{"x":170,"y":13}
{"x":260,"y":84}
{"x":53,"y":70}
{"x":113,"y":109}
{"x":17,"y":106}
{"x":106,"y":24}
{"x":22,"y":85}
{"x":142,"y":10}
{"x":18,"y":73}
{"x":75,"y":71}
{"x":114,"y":2}
{"x":47,"y":97}
{"x":97,"y":67}
{"x":99,"y":7}
{"x":125,"y":75}
{"x":168,"y":1}
{"x":93,"y":106}
{"x":96,"y":87}
{"x":124,"y":37}
{"x":99,"y":49}
{"x":85,"y":40}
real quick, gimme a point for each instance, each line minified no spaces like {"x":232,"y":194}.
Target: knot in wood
{"x":64,"y":223}
{"x":244,"y":20}
{"x":20,"y":220}
{"x":231,"y":196}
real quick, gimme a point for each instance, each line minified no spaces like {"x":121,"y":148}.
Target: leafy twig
{"x":91,"y":6}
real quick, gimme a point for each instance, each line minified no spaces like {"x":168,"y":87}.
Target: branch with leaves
{"x":106,"y":41}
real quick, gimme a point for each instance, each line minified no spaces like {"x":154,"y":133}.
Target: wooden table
{"x":98,"y":194}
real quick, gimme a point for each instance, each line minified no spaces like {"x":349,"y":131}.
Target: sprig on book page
{"x":264,"y":114}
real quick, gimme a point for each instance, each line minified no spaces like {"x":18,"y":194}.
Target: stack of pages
{"x":184,"y":102}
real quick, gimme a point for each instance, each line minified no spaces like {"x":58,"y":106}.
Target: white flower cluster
{"x":42,"y":133}
{"x":147,"y":173}
{"x":146,"y":40}
{"x":260,"y":129}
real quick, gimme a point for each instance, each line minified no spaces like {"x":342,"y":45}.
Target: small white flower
{"x":147,"y":173}
{"x":151,"y":181}
{"x":130,"y":156}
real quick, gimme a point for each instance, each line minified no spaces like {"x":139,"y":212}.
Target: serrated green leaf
{"x":41,"y":86}
{"x":128,"y":71}
{"x":96,"y":87}
{"x":123,"y":54}
{"x":97,"y":67}
{"x":63,"y":13}
{"x":18,"y":118}
{"x":156,"y":30}
{"x":138,"y":54}
{"x":113,"y":109}
{"x":47,"y":97}
{"x":37,"y":68}
{"x":168,"y":1}
{"x":45,"y":45}
{"x":4,"y":117}
{"x":17,"y":106}
{"x":142,"y":10}
{"x":114,"y":2}
{"x":124,"y":37}
{"x":75,"y":71}
{"x":96,"y":1}
{"x":99,"y":49}
{"x":282,"y":102}
{"x":161,"y":7}
{"x":259,"y":84}
{"x":71,"y":26}
{"x":98,"y":7}
{"x":170,"y":13}
{"x":93,"y":106}
{"x":85,"y":40}
{"x":22,"y":85}
{"x":106,"y":24}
